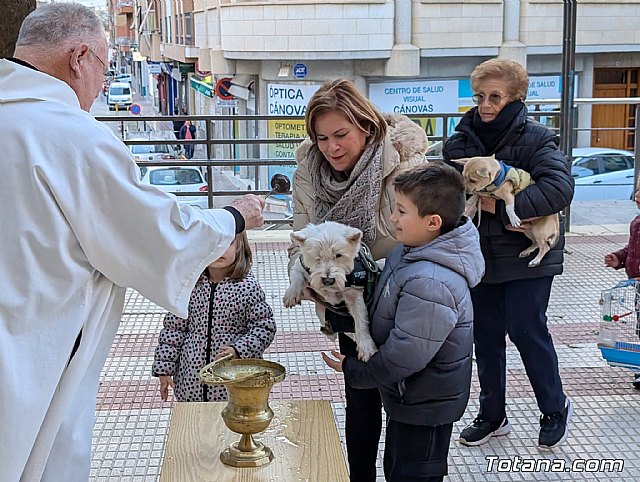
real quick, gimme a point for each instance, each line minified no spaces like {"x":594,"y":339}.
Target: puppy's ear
{"x":355,"y":237}
{"x":493,"y":156}
{"x":483,"y":172}
{"x":298,"y":238}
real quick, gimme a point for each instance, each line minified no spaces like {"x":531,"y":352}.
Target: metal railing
{"x":220,"y":143}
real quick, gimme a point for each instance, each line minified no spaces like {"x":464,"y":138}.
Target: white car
{"x":152,"y":152}
{"x":119,"y":95}
{"x":123,"y":78}
{"x":602,"y":174}
{"x":177,"y":179}
{"x":240,"y":183}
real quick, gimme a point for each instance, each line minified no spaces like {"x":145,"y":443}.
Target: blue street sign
{"x":300,"y":71}
{"x":135,"y":109}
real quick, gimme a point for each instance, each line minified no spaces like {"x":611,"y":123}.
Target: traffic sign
{"x":299,"y":71}
{"x":135,"y":109}
{"x":222,"y":88}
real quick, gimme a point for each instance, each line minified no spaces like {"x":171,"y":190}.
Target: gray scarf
{"x":348,"y":200}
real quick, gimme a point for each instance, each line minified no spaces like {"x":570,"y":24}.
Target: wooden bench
{"x":302,"y":435}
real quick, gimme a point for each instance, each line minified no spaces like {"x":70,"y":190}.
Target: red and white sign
{"x":222,"y":88}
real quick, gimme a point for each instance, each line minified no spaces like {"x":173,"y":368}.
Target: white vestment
{"x":76,"y":228}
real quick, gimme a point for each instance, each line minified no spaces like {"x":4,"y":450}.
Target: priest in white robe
{"x":76,"y":228}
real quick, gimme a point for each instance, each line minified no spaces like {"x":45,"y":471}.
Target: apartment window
{"x":168,"y":34}
{"x":152,"y":21}
{"x":188,"y":28}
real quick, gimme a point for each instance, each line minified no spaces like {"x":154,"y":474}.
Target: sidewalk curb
{"x":598,"y":230}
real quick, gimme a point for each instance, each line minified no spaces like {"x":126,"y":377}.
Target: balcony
{"x":313,"y":30}
{"x":181,"y":53}
{"x":150,"y":46}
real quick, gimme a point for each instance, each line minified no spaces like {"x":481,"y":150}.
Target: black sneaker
{"x":636,"y":381}
{"x":554,"y":428}
{"x":480,"y":431}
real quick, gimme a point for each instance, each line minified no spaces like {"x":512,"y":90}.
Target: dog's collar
{"x":365,"y":272}
{"x":502,"y":174}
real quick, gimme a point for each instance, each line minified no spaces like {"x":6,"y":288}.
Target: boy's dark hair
{"x":434,"y":188}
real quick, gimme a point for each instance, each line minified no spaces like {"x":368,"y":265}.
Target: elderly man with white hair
{"x":77,"y":228}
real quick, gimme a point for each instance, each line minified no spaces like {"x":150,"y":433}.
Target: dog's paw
{"x":366,"y":349}
{"x":513,"y":217}
{"x":534,"y":263}
{"x":515,"y":221}
{"x":291,"y":298}
{"x":329,"y":334}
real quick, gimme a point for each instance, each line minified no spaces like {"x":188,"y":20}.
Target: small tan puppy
{"x":328,"y":252}
{"x":488,"y":177}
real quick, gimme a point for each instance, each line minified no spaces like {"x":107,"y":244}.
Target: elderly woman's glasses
{"x":494,"y":98}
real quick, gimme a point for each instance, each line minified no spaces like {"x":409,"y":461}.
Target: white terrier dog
{"x":328,"y":254}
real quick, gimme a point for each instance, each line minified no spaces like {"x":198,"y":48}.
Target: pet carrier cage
{"x":619,"y":335}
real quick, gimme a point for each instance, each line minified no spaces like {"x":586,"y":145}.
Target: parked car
{"x":435,"y":149}
{"x":152,"y":152}
{"x":602,"y":174}
{"x":240,"y":183}
{"x":119,"y":94}
{"x":176,"y":179}
{"x":123,"y":78}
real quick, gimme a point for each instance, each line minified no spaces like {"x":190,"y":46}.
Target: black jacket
{"x":530,"y":146}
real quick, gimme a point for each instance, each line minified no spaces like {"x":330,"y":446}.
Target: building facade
{"x":410,"y":56}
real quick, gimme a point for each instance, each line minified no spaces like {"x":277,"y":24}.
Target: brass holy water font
{"x":248,"y":382}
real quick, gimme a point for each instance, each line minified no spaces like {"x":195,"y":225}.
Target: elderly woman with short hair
{"x":513,"y":298}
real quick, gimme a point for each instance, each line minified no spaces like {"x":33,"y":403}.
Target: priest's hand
{"x":250,"y":206}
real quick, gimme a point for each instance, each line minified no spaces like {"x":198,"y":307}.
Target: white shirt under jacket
{"x":76,"y":227}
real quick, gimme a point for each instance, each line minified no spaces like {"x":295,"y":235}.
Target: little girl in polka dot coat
{"x":228,"y":314}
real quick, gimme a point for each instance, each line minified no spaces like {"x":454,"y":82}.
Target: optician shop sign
{"x":288,"y":100}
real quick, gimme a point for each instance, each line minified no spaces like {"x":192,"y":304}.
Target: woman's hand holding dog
{"x":488,"y":204}
{"x":526,"y":225}
{"x":335,"y":364}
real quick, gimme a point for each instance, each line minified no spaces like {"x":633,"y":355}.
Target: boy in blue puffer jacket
{"x":422,"y":322}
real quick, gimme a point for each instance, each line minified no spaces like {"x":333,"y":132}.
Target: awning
{"x":203,"y":87}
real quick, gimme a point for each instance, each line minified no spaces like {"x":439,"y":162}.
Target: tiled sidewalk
{"x":132,"y":421}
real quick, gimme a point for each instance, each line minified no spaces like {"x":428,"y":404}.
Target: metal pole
{"x":636,"y":148}
{"x":208,"y":128}
{"x":568,"y":75}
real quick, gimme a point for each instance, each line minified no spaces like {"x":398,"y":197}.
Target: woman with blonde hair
{"x":344,"y":174}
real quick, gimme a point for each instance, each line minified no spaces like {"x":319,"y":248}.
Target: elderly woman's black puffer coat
{"x":530,"y":146}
